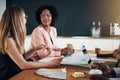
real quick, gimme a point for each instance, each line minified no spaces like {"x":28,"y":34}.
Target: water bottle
{"x":87,"y":57}
{"x":93,"y":30}
{"x":112,"y":29}
{"x":84,"y":49}
{"x":98,"y":29}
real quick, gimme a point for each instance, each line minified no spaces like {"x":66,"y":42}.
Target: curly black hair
{"x":52,"y":10}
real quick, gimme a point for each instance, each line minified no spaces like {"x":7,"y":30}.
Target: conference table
{"x":31,"y":75}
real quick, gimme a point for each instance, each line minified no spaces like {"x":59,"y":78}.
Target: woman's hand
{"x":31,"y":51}
{"x":67,"y":50}
{"x":55,"y":62}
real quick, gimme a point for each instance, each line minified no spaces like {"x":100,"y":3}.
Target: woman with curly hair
{"x":45,"y":34}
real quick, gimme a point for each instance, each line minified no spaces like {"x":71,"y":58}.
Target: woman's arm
{"x":32,"y":51}
{"x":37,"y":40}
{"x":12,"y":51}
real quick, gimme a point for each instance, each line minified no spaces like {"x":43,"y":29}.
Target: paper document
{"x":77,"y":59}
{"x":52,"y":73}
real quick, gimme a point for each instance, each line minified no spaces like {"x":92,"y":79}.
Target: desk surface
{"x":31,"y":75}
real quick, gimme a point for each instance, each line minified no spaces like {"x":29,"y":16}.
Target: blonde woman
{"x":13,"y":33}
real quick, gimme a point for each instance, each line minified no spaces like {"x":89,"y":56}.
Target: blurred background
{"x":75,"y":16}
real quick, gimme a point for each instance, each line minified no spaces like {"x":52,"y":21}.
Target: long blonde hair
{"x":12,"y":25}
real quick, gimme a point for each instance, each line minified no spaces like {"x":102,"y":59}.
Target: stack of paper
{"x":52,"y":73}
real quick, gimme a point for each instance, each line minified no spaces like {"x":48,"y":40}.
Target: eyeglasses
{"x":26,"y":17}
{"x":43,"y":15}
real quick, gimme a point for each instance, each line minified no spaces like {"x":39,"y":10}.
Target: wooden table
{"x":31,"y":75}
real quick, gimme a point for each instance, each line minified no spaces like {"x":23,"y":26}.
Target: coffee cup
{"x":70,"y":46}
{"x":97,"y":50}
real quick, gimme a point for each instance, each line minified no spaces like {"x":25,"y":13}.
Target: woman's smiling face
{"x":46,"y":17}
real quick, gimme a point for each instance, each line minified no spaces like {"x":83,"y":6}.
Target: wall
{"x":75,"y":16}
{"x":91,"y":43}
{"x":2,"y":7}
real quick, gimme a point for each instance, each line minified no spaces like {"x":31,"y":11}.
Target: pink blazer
{"x":41,"y":36}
